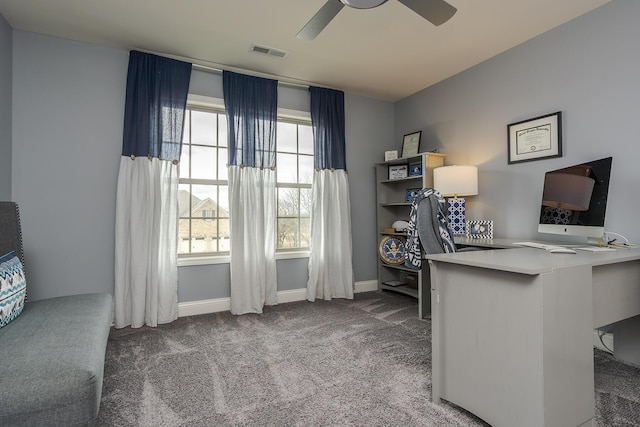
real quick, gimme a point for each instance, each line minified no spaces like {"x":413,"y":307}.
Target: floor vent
{"x":264,"y":50}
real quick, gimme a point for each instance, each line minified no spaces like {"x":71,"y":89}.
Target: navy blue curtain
{"x":327,"y":121}
{"x":251,"y":104}
{"x":157,"y":89}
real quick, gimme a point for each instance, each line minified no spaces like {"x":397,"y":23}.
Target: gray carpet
{"x":365,"y":362}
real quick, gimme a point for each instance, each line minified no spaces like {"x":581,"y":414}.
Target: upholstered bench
{"x":52,"y":361}
{"x":52,"y":352}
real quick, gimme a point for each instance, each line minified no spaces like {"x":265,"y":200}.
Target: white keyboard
{"x":548,"y":248}
{"x":596,"y":249}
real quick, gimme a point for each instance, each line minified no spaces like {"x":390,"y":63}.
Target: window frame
{"x":210,"y":104}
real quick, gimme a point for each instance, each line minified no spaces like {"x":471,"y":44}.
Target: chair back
{"x":431,"y":222}
{"x":10,"y":230}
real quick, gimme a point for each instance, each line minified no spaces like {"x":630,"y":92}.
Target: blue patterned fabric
{"x":456,"y":215}
{"x":13,"y":288}
{"x":434,"y":236}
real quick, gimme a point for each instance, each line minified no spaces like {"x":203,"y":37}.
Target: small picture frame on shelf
{"x":415,"y":170}
{"x":411,"y":144}
{"x":411,"y":194}
{"x":390,"y":155}
{"x":479,"y":229}
{"x":398,"y":171}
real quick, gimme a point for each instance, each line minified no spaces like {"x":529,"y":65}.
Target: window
{"x":294,"y":174}
{"x":203,"y":197}
{"x":203,"y":200}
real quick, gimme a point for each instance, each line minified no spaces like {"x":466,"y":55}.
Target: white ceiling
{"x":387,"y":53}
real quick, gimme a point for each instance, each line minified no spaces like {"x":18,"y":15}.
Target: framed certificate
{"x":411,"y":144}
{"x":535,"y":139}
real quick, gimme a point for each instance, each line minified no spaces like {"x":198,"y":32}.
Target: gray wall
{"x":6,"y":65}
{"x":68,"y":107}
{"x":588,"y":69}
{"x":369,"y":135}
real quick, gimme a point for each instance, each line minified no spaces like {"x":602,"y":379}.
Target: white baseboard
{"x":366,"y":286}
{"x":194,"y":308}
{"x":606,"y":338}
{"x":205,"y":306}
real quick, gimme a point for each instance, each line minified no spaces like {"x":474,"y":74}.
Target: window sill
{"x":292,"y":255}
{"x":203,"y":260}
{"x":225,"y":259}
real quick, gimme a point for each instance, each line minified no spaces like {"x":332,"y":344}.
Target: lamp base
{"x":455,"y":217}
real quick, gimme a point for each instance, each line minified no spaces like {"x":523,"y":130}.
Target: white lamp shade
{"x":567,"y":191}
{"x":456,"y":180}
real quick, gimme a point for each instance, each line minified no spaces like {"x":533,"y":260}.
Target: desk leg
{"x":435,"y":336}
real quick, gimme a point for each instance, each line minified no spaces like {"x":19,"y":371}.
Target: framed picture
{"x":411,"y":194}
{"x":398,"y":171}
{"x":390,"y":155}
{"x":535,"y":139}
{"x":411,"y":144}
{"x":415,"y":170}
{"x":479,"y":229}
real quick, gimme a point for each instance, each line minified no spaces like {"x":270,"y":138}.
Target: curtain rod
{"x":218,"y":69}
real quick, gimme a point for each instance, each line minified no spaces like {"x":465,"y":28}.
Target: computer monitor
{"x":574,"y":199}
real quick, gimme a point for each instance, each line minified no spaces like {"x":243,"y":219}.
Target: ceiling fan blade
{"x":320,"y":20}
{"x":435,"y":11}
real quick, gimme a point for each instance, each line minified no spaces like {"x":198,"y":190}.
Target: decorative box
{"x":398,"y":171}
{"x":415,"y":170}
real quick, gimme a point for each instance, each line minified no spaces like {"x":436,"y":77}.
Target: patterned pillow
{"x":13,"y":288}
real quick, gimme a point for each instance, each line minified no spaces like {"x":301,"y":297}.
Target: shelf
{"x":399,"y":267}
{"x":396,"y":233}
{"x":409,"y":178}
{"x":395,"y":204}
{"x":413,"y":292}
{"x":412,"y":159}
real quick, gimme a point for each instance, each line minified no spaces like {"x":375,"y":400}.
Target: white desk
{"x":512,"y":330}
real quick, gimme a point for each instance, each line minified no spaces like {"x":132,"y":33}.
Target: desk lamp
{"x":456,"y":181}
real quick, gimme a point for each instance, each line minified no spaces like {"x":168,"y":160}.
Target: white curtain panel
{"x":252,"y":206}
{"x":146,"y":288}
{"x":330,"y":261}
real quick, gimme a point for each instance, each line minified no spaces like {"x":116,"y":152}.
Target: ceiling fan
{"x":435,"y":11}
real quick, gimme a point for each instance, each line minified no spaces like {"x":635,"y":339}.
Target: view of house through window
{"x":203,"y":197}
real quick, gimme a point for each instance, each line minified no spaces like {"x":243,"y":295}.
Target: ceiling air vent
{"x":276,"y":53}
